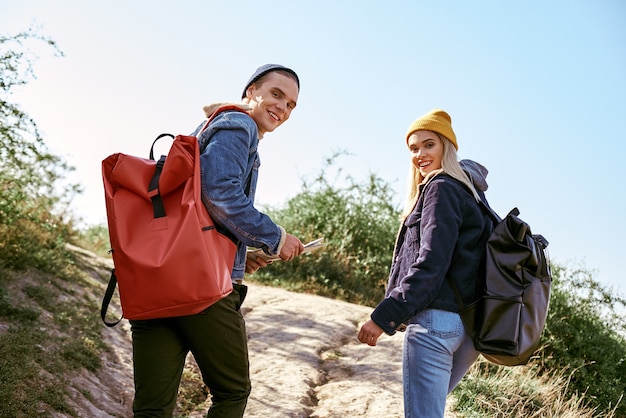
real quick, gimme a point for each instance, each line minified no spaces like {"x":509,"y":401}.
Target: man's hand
{"x":292,"y":247}
{"x":253,"y":263}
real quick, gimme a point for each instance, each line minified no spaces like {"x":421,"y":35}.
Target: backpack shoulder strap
{"x":493,"y":215}
{"x":490,"y":212}
{"x":495,"y":218}
{"x":107,"y":299}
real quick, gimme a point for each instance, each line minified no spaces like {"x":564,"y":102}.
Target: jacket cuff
{"x":385,"y":316}
{"x":283,"y":238}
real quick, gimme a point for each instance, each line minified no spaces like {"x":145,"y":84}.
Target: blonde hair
{"x":449,"y":165}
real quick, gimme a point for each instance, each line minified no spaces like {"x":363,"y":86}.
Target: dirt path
{"x":305,"y":361}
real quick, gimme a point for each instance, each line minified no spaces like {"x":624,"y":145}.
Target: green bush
{"x":585,"y":333}
{"x":95,"y":238}
{"x":358,"y":223}
{"x":34,"y":222}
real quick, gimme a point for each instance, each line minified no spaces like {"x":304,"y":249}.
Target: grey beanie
{"x":264,"y":69}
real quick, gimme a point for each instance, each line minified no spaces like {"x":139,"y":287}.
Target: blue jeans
{"x":437,"y":353}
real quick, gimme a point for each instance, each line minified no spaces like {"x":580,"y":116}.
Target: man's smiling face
{"x":272,"y":99}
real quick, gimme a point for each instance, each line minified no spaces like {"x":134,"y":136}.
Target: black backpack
{"x":506,"y":322}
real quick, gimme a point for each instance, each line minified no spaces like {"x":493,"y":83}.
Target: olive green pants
{"x":217,"y":339}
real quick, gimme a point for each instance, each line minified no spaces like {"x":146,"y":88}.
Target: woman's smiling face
{"x":426,"y":150}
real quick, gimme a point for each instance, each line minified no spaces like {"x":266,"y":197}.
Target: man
{"x":217,"y":336}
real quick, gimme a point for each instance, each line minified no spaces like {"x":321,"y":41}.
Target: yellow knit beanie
{"x":436,"y":120}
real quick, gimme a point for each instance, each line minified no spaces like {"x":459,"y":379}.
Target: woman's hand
{"x":369,"y":333}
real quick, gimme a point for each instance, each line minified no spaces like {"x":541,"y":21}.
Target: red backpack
{"x":169,"y":258}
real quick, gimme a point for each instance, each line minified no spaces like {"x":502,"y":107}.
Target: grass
{"x":192,"y":393}
{"x":32,"y":360}
{"x":494,"y":391}
{"x":48,"y":331}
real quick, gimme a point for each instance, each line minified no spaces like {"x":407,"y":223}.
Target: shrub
{"x":95,"y":238}
{"x":33,"y":222}
{"x":585,"y":332}
{"x":358,"y":223}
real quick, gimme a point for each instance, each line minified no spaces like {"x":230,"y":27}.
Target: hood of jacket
{"x":477,"y":173}
{"x":210,"y":109}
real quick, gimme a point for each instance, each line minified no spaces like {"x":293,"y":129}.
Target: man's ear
{"x":250,"y":91}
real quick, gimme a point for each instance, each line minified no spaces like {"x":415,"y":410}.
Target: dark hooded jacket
{"x":443,"y":238}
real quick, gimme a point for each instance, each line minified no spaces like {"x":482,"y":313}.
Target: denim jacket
{"x":444,"y":237}
{"x":229,"y":167}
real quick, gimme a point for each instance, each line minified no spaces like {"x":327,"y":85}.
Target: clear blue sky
{"x":536,"y":92}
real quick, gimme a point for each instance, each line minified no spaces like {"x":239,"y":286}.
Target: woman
{"x":442,"y":238}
